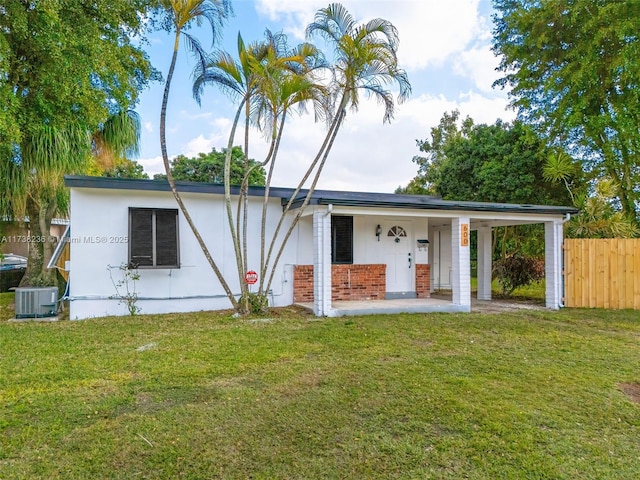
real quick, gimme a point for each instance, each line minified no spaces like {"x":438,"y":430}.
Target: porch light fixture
{"x":422,"y":244}
{"x":378,"y":232}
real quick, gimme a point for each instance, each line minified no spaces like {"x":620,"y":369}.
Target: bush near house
{"x":517,"y":270}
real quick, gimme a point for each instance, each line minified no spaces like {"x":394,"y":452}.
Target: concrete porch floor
{"x":438,"y":303}
{"x":404,"y":305}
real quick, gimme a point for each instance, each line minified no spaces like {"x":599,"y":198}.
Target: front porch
{"x":390,"y":261}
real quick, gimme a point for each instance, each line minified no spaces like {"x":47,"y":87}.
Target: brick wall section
{"x":303,"y":283}
{"x":423,"y":280}
{"x":358,"y":282}
{"x":348,"y":282}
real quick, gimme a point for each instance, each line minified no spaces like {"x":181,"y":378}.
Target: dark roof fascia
{"x":438,"y":204}
{"x":79,"y":181}
{"x":324,"y":197}
{"x":424,"y":202}
{"x":321,"y":197}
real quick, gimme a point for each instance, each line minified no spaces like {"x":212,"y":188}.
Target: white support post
{"x":553,"y":235}
{"x":461,"y":262}
{"x":484,"y":263}
{"x":321,"y":263}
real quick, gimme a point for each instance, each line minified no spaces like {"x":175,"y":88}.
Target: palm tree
{"x":34,"y":177}
{"x":33,"y":182}
{"x":118,"y":138}
{"x":268,"y":79}
{"x":365,"y":60}
{"x":238,"y":79}
{"x":182,"y":14}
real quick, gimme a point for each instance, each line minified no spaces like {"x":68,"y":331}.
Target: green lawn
{"x":534,"y":291}
{"x":6,"y":306}
{"x":512,"y":396}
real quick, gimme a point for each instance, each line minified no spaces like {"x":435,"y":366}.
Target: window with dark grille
{"x":341,"y":239}
{"x":153,"y":238}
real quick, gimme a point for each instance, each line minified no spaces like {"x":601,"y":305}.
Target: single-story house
{"x":349,"y":248}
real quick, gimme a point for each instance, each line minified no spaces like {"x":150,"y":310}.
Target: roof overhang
{"x":359,"y":200}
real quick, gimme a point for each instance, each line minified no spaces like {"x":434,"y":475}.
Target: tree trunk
{"x":41,"y":246}
{"x":172,"y":184}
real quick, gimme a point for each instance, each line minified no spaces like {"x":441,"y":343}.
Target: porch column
{"x":460,"y":263}
{"x":553,"y":235}
{"x":321,"y":263}
{"x":485,"y":251}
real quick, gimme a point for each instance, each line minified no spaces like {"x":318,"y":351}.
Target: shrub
{"x":518,"y":270}
{"x":126,"y":292}
{"x":255,"y":303}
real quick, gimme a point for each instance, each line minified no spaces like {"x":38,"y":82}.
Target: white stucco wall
{"x":100,"y":222}
{"x":305,"y":240}
{"x":440,"y":257}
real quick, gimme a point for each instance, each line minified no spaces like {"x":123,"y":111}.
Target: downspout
{"x":440,"y":262}
{"x":325,"y":313}
{"x":329,"y":209}
{"x":567,"y":217}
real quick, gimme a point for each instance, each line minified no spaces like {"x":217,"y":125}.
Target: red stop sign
{"x":251,"y":277}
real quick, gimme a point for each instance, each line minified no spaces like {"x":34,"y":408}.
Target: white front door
{"x":398,"y":256}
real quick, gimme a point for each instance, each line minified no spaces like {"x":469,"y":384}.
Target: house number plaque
{"x":464,"y":235}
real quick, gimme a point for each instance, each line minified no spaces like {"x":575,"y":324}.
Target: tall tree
{"x":598,"y":217}
{"x":126,"y":169}
{"x":65,"y":69}
{"x":181,"y":14}
{"x":209,"y":167}
{"x":364,"y":61}
{"x":501,"y":163}
{"x":573,"y":67}
{"x":266,"y":79}
{"x":487,"y":163}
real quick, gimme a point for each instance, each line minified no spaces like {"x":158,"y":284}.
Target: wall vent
{"x":35,"y":302}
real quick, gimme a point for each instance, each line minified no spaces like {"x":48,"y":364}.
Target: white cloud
{"x":430,"y":30}
{"x":200,"y":144}
{"x":152,"y":165}
{"x":448,"y":37}
{"x":195,"y":114}
{"x":485,"y":109}
{"x":367,"y":155}
{"x":478,"y":64}
{"x":148,"y":126}
{"x":370,"y":156}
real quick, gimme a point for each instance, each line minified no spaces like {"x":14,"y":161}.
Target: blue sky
{"x":444,"y":47}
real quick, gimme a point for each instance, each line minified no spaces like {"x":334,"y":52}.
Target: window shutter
{"x":141,"y":237}
{"x":153,"y":238}
{"x":341,"y":239}
{"x":167,"y":238}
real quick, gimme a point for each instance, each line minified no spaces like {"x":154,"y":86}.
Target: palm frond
{"x":382,"y":27}
{"x":366,"y":56}
{"x":119,"y":135}
{"x":220,"y":70}
{"x":194,"y":46}
{"x":331,"y":23}
{"x":213,"y":12}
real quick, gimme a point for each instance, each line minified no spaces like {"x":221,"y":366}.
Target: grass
{"x":534,"y":291}
{"x":445,"y":396}
{"x":6,"y":306}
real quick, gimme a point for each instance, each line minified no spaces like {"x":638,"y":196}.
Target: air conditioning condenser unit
{"x":36,"y":302}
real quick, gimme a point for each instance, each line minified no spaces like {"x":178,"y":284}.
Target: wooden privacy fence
{"x":64,"y":257}
{"x":602,"y":273}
